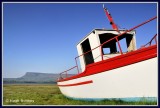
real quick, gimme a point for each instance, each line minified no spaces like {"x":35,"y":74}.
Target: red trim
{"x":118,"y":61}
{"x":76,"y":84}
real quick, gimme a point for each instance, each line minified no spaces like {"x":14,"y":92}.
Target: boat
{"x":108,"y":72}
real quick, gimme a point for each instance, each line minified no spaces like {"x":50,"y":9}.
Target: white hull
{"x":136,"y":80}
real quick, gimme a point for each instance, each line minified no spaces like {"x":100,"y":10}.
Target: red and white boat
{"x":107,"y":72}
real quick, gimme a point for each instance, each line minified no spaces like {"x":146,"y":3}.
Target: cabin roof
{"x":97,"y":29}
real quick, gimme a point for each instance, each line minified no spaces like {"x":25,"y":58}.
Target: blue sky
{"x":43,"y":37}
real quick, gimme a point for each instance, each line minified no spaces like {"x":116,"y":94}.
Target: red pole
{"x":101,"y":52}
{"x":119,"y":45}
{"x":114,"y":26}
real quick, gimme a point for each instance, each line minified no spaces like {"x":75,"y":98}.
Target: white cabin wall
{"x":94,"y":42}
{"x":92,"y":38}
{"x":134,"y":38}
{"x":80,"y":59}
{"x":132,"y":43}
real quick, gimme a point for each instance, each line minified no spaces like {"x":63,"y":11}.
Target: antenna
{"x":114,"y":26}
{"x":103,"y":6}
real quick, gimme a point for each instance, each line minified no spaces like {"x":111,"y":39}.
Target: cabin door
{"x":88,"y":58}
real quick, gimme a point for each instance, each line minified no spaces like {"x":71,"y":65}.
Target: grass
{"x":50,"y":95}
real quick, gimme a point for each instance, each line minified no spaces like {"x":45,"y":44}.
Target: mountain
{"x":34,"y":77}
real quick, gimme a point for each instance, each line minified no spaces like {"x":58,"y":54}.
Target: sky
{"x":42,"y":37}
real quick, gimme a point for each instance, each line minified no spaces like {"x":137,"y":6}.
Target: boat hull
{"x":131,"y":82}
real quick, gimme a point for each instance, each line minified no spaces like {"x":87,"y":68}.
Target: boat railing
{"x":101,"y":46}
{"x":150,"y":42}
{"x":66,"y":73}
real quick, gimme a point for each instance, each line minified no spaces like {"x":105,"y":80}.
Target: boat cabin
{"x":87,"y":47}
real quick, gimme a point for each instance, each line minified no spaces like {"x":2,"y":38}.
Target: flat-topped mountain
{"x":34,"y":77}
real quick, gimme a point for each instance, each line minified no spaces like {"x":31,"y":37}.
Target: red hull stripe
{"x":76,"y":84}
{"x":117,"y":62}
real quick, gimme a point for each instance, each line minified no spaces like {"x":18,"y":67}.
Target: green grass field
{"x":38,"y":94}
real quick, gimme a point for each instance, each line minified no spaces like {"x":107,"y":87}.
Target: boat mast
{"x":114,"y":26}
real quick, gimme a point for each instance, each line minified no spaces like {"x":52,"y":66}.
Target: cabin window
{"x":88,"y":57}
{"x":126,"y":42}
{"x":109,"y":47}
{"x":106,"y":50}
{"x":123,"y":45}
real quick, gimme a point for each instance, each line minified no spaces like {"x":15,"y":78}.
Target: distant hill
{"x":34,"y":77}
